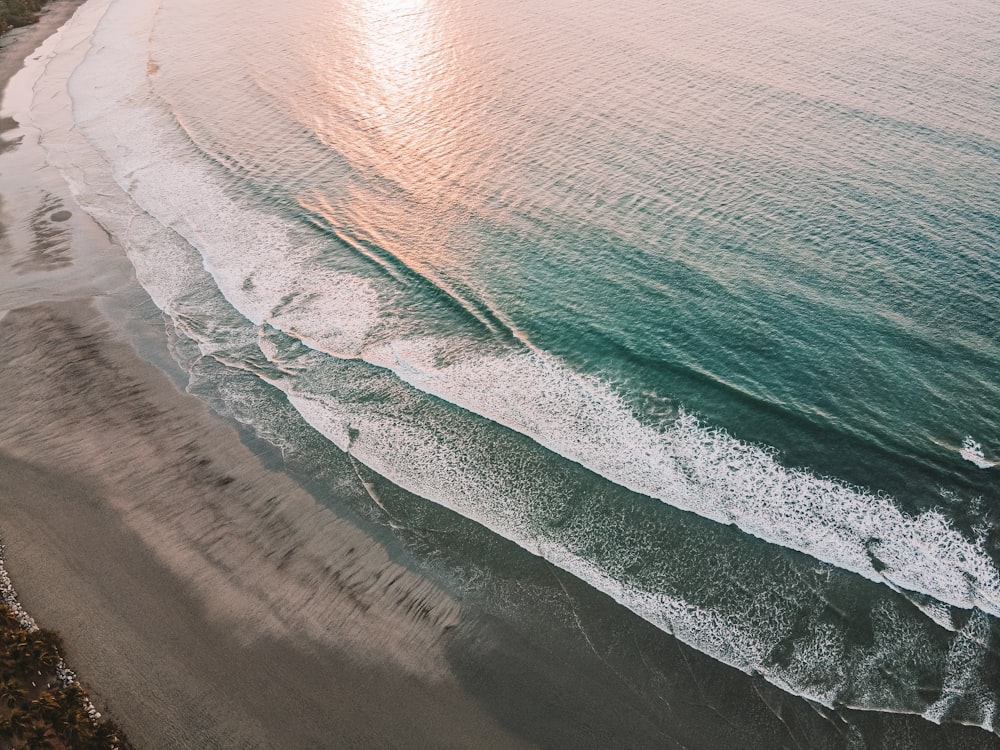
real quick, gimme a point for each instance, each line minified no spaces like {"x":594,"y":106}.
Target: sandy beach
{"x":207,"y":600}
{"x":199,"y":590}
{"x":210,"y":597}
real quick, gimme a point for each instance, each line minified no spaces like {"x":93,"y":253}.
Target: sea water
{"x":697,"y":301}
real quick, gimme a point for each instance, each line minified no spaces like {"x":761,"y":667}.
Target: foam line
{"x":973,"y":452}
{"x":266,"y":268}
{"x":706,"y":471}
{"x":197,"y":230}
{"x":822,"y":665}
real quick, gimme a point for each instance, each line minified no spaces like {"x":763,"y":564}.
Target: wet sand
{"x":210,"y":601}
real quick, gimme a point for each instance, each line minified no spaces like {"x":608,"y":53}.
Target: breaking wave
{"x":322,"y":337}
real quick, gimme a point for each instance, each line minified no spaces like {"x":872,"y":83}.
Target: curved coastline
{"x":177,"y":622}
{"x":62,"y":707}
{"x":248,"y":611}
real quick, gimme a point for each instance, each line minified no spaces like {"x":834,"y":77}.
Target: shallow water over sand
{"x":695,"y":303}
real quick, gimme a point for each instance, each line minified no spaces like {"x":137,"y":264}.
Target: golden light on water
{"x":395,"y":46}
{"x":411,"y":105}
{"x":394,"y":96}
{"x":400,"y":67}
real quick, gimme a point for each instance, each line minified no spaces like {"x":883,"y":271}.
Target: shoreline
{"x":16,"y":43}
{"x":212,"y":600}
{"x":204,"y":596}
{"x":251,"y":582}
{"x":163,"y":510}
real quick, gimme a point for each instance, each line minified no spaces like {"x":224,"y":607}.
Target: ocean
{"x":696,"y":301}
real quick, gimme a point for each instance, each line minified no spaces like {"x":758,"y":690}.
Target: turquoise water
{"x":696,"y":301}
{"x":788,"y":232}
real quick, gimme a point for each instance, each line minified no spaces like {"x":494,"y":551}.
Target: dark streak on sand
{"x":50,"y":248}
{"x":211,"y":599}
{"x":211,"y":602}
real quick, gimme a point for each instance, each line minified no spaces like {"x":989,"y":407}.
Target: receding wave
{"x":366,"y":390}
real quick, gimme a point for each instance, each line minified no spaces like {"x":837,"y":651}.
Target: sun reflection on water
{"x":397,"y":45}
{"x":398,"y":109}
{"x":402,"y":70}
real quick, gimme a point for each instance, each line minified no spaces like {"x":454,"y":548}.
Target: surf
{"x":312,"y":333}
{"x":682,"y":462}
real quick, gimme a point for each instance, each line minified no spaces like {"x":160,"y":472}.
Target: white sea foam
{"x":973,"y":451}
{"x":824,"y":665}
{"x":965,"y":691}
{"x":269,"y":278}
{"x":266,"y":269}
{"x":263,"y":266}
{"x":704,"y":470}
{"x":148,"y":206}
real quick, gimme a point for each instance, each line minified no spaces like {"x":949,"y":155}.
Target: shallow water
{"x":696,"y":302}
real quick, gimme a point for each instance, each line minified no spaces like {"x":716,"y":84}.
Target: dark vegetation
{"x":18,"y":13}
{"x":38,"y":711}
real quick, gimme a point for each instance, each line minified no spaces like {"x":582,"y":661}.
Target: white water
{"x":261,"y":264}
{"x":159,"y":187}
{"x":973,"y":452}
